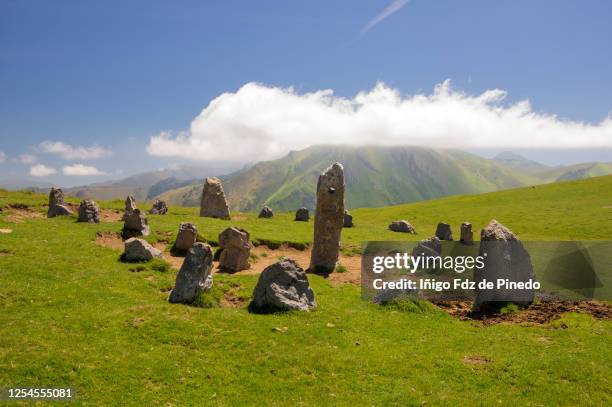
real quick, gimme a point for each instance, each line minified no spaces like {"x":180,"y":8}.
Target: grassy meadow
{"x":72,"y":314}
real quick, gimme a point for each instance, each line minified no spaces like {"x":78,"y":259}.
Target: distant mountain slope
{"x":375,"y":176}
{"x":518,"y":162}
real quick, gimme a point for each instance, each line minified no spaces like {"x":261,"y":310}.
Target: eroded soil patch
{"x":18,"y":213}
{"x":536,"y":314}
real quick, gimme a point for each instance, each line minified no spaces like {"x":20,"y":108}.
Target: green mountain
{"x":375,"y":176}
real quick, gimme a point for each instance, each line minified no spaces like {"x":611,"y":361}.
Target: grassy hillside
{"x":375,"y":176}
{"x":71,"y":314}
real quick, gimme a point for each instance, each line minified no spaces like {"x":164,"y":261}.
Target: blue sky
{"x":111,"y":75}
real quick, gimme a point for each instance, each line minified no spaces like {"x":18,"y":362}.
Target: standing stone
{"x":283,"y":286}
{"x":467,"y":236}
{"x":213,"y":204}
{"x":130,"y":205}
{"x":329,"y":218}
{"x":266,"y":212}
{"x":401,"y":226}
{"x":140,"y":250}
{"x":89,"y":211}
{"x":504,"y":258}
{"x":194,"y":276}
{"x":136,"y":225}
{"x":348,"y":220}
{"x":444,"y":232}
{"x":159,"y":208}
{"x":57,"y":206}
{"x":235,"y":249}
{"x":302,"y":215}
{"x":186,"y":237}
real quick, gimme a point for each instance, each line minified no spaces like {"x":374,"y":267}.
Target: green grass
{"x":72,"y":314}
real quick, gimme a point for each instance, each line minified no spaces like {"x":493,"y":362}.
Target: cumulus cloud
{"x":2,"y":156}
{"x":68,"y":152}
{"x":26,"y":158}
{"x":260,"y":122}
{"x":40,"y":170}
{"x":393,"y":7}
{"x":80,"y":169}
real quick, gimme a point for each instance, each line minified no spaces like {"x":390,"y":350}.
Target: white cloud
{"x":80,"y":169}
{"x":68,"y":152}
{"x":259,"y":122}
{"x":2,"y":156}
{"x":393,"y":7}
{"x":26,"y":158}
{"x":40,"y":170}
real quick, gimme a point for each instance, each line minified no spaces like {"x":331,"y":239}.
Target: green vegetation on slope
{"x":71,"y":314}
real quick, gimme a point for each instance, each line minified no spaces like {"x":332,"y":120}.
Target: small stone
{"x":186,"y":237}
{"x":57,"y":206}
{"x":213,"y":203}
{"x":401,"y":226}
{"x":194,"y":276}
{"x":266,"y":212}
{"x":136,"y":224}
{"x":235,"y":249}
{"x":283,"y":286}
{"x":140,"y":250}
{"x":302,"y":215}
{"x":348,"y":220}
{"x":159,"y":208}
{"x":89,"y":211}
{"x":444,"y":232}
{"x":467,"y":236}
{"x":430,"y":247}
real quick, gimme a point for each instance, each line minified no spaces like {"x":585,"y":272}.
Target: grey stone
{"x":235,"y":249}
{"x":444,"y":232}
{"x":504,"y":258}
{"x":430,"y":247}
{"x":130,"y":205}
{"x":140,"y":250}
{"x":348,"y":220}
{"x":467,"y":236}
{"x":194,"y":276}
{"x":284,"y":286}
{"x":159,"y":208}
{"x":186,"y":237}
{"x":89,"y":211}
{"x":213,"y":203}
{"x":329,"y":218}
{"x":401,"y":226}
{"x":57,"y":206}
{"x":266,"y":212}
{"x":302,"y":215}
{"x":136,"y":224}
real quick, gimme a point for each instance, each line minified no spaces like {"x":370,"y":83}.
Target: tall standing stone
{"x":130,"y":205}
{"x":235,"y":249}
{"x":213,"y":204}
{"x":186,"y":237}
{"x":348,"y":219}
{"x":136,"y":225}
{"x":57,"y":206}
{"x":504,"y":258}
{"x":89,"y":211}
{"x":329,"y":218}
{"x":467,"y":236}
{"x":194,"y":276}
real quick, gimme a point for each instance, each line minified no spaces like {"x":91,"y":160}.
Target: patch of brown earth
{"x":5,"y":252}
{"x":475,"y":360}
{"x":111,"y":215}
{"x":17,"y":213}
{"x":536,"y":314}
{"x":6,"y":231}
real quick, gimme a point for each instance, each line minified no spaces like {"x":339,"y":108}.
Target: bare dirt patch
{"x":111,"y":215}
{"x":6,"y":231}
{"x":18,"y":213}
{"x":475,"y":360}
{"x":536,"y":314}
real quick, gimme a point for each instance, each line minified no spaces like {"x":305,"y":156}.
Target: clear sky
{"x":87,"y":84}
